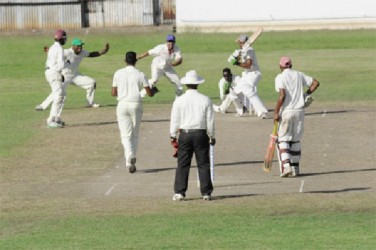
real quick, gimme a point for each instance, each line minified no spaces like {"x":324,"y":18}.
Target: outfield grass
{"x":343,"y":61}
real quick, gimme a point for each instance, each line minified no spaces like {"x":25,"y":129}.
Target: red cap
{"x":60,"y":34}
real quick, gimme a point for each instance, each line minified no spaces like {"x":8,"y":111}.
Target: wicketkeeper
{"x":227,"y":94}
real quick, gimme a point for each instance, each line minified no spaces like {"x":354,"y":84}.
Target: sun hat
{"x":170,"y":38}
{"x":77,"y":42}
{"x":60,"y":34}
{"x":242,"y":38}
{"x":191,"y":77}
{"x":285,"y":61}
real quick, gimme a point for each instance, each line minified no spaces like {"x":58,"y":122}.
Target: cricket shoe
{"x":206,"y":197}
{"x":217,"y":109}
{"x":286,"y":172}
{"x":94,"y":105}
{"x":295,"y":171}
{"x":54,"y":125}
{"x":178,"y":197}
{"x":132,"y":168}
{"x":39,"y":108}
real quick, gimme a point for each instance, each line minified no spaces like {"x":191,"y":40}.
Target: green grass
{"x":207,"y":229}
{"x":343,"y":61}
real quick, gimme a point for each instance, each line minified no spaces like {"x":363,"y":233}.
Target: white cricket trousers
{"x":129,"y":115}
{"x":84,"y":82}
{"x":170,"y":73}
{"x":57,"y":94}
{"x":248,"y":87}
{"x":232,"y":97}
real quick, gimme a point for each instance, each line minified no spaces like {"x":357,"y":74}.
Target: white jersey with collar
{"x":73,"y":60}
{"x":55,"y":58}
{"x":293,"y":82}
{"x":129,"y":82}
{"x":162,"y":55}
{"x":192,"y":110}
{"x":246,"y":53}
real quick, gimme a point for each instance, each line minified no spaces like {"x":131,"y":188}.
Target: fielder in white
{"x":53,"y":73}
{"x":289,"y":113}
{"x":226,"y":86}
{"x":73,"y":57}
{"x":245,"y":57}
{"x":166,"y":57}
{"x":126,"y":85}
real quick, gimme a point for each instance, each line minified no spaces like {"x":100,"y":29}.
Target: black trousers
{"x":198,"y":143}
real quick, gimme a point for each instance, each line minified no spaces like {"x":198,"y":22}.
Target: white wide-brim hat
{"x":191,"y":77}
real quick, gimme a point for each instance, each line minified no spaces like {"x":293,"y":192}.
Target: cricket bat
{"x":268,"y":160}
{"x":254,"y":36}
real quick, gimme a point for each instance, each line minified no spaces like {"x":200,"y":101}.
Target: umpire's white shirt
{"x":293,"y":82}
{"x":192,"y":110}
{"x":129,"y":82}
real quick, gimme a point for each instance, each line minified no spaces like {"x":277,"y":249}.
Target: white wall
{"x":225,"y":15}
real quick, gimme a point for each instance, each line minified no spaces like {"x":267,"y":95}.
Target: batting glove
{"x":308,"y":99}
{"x":236,"y":53}
{"x":154,"y":90}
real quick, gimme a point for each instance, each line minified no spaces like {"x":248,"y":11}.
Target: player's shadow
{"x":89,"y":124}
{"x":238,"y":163}
{"x":337,"y":191}
{"x":338,"y":172}
{"x":155,"y":170}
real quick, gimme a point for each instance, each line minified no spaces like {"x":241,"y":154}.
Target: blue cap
{"x":170,"y":38}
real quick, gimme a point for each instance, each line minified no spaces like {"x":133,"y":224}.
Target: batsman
{"x":289,"y":113}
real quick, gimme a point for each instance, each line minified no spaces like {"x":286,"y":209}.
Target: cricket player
{"x":245,"y":57}
{"x":226,"y":86}
{"x":54,"y":76}
{"x":289,"y":113}
{"x":126,"y":86}
{"x":166,"y":57}
{"x":73,"y":57}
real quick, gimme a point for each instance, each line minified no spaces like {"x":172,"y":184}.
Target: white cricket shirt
{"x":55,"y":58}
{"x":293,"y":82}
{"x":129,"y":82}
{"x":73,"y":60}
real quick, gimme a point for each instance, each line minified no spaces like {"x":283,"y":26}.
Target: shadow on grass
{"x":338,"y":191}
{"x":339,"y":172}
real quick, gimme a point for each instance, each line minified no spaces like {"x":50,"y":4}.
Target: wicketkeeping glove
{"x":226,"y":88}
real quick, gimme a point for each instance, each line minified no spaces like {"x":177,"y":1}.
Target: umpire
{"x":192,"y":117}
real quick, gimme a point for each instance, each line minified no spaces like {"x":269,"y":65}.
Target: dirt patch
{"x":84,"y":160}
